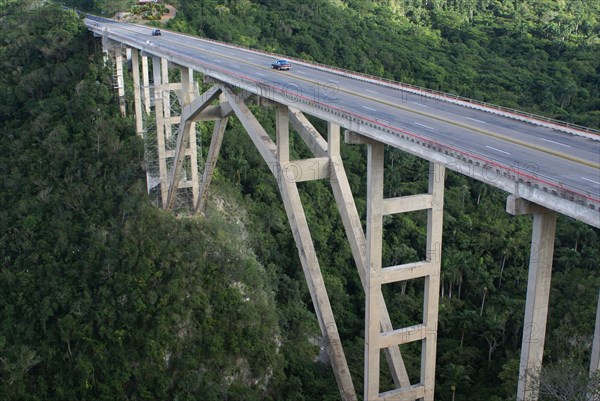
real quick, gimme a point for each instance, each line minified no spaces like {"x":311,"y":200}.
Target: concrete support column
{"x":282,"y":123}
{"x":120,"y":80}
{"x":333,"y":142}
{"x":137,"y":92}
{"x":595,"y":357}
{"x":372,"y":287}
{"x":538,"y":293}
{"x":146,"y":82}
{"x":105,"y":48}
{"x":435,"y":216}
{"x":166,"y":97}
{"x":160,"y":129}
{"x":188,"y":90}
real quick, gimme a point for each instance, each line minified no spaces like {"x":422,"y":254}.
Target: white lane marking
{"x":420,"y":104}
{"x":300,"y":72}
{"x":474,"y":119}
{"x":497,"y":150}
{"x":557,"y":143}
{"x":250,"y":58}
{"x":258,"y":73}
{"x":236,"y":66}
{"x":368,"y":108}
{"x":423,"y":125}
{"x":369,"y":90}
{"x":587,"y":179}
{"x":217,"y":60}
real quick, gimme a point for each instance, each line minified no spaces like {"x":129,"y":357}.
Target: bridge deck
{"x":557,"y":167}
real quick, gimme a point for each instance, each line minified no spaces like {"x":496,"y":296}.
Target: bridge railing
{"x":496,"y":169}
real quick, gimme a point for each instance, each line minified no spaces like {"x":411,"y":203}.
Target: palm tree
{"x":493,"y":331}
{"x":467,"y":319}
{"x":456,"y":375}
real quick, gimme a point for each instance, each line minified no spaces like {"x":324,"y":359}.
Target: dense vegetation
{"x":538,"y":55}
{"x":105,"y":297}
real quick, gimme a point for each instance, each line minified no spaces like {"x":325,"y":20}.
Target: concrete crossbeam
{"x":414,"y":392}
{"x":402,"y":336}
{"x":409,"y":271}
{"x":316,"y":168}
{"x":407,"y":204}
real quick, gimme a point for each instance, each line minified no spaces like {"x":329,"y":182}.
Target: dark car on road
{"x":156,"y":32}
{"x":281,"y":65}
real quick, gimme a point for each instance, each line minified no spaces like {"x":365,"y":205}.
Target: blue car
{"x":281,"y":65}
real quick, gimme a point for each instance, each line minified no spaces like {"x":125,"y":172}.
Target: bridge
{"x":547,"y":168}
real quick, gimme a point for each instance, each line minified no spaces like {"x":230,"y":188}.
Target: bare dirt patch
{"x":129,"y":17}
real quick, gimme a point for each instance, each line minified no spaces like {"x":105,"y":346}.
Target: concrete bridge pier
{"x":137,"y":92}
{"x":327,"y":164}
{"x":595,"y":357}
{"x":114,"y":51}
{"x":159,"y":102}
{"x":538,"y":294}
{"x":177,"y":156}
{"x":378,"y":338}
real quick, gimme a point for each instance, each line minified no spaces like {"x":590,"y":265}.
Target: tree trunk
{"x":501,"y":270}
{"x":483,"y":301}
